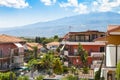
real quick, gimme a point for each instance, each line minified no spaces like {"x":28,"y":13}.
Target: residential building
{"x":112,"y":55}
{"x":52,"y":45}
{"x":30,"y":46}
{"x":11,"y":52}
{"x":85,"y":36}
{"x":86,"y":39}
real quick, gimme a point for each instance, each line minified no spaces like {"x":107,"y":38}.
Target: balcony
{"x":66,"y":53}
{"x":4,"y":66}
{"x":4,"y":57}
{"x":97,"y":54}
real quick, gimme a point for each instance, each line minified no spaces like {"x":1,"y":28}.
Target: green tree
{"x":98,"y":73}
{"x":118,"y":71}
{"x":57,"y":66}
{"x":50,"y":63}
{"x":46,"y":61}
{"x":56,"y":37}
{"x":73,"y":69}
{"x":7,"y":76}
{"x":32,"y":64}
{"x":83,"y":57}
{"x":35,"y":51}
{"x":37,"y":39}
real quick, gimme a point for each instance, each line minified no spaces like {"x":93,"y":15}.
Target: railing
{"x":96,"y":66}
{"x":4,"y":67}
{"x":3,"y":55}
{"x":97,"y":54}
{"x":79,"y":40}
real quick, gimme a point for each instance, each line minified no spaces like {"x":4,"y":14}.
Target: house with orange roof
{"x":30,"y":46}
{"x":112,"y":54}
{"x":52,"y":45}
{"x":11,"y":52}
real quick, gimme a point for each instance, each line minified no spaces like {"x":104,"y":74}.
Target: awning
{"x":18,"y":45}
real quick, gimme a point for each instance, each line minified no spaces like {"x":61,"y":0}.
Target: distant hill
{"x":93,"y":21}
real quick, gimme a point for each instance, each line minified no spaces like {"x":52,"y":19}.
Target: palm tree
{"x":32,"y":65}
{"x":57,"y":66}
{"x":47,"y":61}
{"x":35,"y":50}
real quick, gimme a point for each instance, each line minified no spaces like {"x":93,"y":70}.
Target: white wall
{"x":18,"y":59}
{"x":111,"y":56}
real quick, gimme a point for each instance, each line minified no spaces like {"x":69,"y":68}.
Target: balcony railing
{"x":4,"y":67}
{"x":66,"y":53}
{"x":3,"y":56}
{"x":79,"y":40}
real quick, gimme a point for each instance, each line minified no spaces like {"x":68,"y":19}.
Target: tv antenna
{"x":70,"y":27}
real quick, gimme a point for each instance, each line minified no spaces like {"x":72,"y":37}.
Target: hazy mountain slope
{"x":93,"y":21}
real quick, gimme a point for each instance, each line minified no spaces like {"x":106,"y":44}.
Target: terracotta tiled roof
{"x":100,"y":39}
{"x":29,"y":48}
{"x":53,"y":43}
{"x":31,"y":45}
{"x":9,"y":39}
{"x":112,"y":27}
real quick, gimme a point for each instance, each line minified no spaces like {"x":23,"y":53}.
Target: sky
{"x":14,"y":13}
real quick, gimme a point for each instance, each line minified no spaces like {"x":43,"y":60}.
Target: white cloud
{"x":48,"y":2}
{"x":82,"y":9}
{"x":93,"y":6}
{"x":105,"y":5}
{"x":70,"y":3}
{"x":14,"y":3}
{"x":78,"y":7}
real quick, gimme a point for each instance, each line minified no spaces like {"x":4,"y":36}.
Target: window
{"x":75,"y":51}
{"x":87,"y":38}
{"x":82,"y":38}
{"x":102,"y":35}
{"x":77,"y":38}
{"x":102,"y":49}
{"x":94,"y":36}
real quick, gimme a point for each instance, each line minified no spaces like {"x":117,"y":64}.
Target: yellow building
{"x":112,"y":56}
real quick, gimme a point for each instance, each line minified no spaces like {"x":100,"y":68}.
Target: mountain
{"x":92,"y":21}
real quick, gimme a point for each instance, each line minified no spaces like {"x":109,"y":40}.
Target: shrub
{"x":65,"y":69}
{"x":7,"y":76}
{"x":39,"y":77}
{"x":23,"y":78}
{"x":70,"y":77}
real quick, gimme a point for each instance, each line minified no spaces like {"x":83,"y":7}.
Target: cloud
{"x":93,"y":6}
{"x":48,"y":2}
{"x":106,"y":5}
{"x":82,"y":9}
{"x":14,"y":3}
{"x":78,"y":7}
{"x":70,"y":3}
